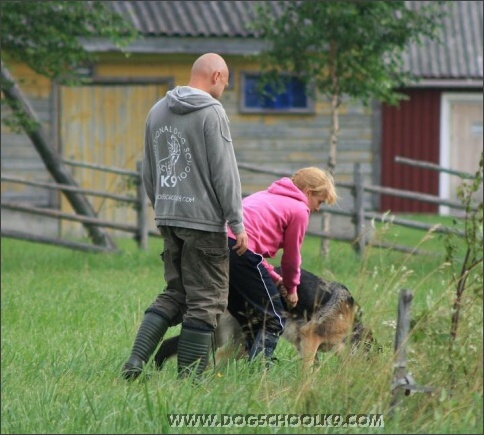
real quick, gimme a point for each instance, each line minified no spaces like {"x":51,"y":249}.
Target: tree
{"x":345,"y":49}
{"x":47,"y":36}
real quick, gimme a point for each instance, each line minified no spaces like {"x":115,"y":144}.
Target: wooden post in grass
{"x":401,"y":336}
{"x":403,"y":383}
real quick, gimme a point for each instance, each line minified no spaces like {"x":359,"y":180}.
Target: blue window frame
{"x":293,"y":99}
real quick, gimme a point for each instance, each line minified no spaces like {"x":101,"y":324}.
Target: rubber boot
{"x":168,"y":348}
{"x":266,"y":342}
{"x":193,"y":351}
{"x":150,"y":332}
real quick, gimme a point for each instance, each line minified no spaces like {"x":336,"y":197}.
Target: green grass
{"x":69,"y":319}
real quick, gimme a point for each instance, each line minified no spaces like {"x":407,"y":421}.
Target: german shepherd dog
{"x":326,"y":318}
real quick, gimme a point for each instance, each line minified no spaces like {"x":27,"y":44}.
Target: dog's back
{"x":318,"y":296}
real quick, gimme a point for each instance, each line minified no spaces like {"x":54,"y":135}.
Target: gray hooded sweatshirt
{"x":189,"y":169}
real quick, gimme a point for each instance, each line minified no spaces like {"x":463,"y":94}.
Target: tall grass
{"x":69,"y":320}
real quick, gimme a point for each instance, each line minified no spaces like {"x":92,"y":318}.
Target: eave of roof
{"x":448,"y":83}
{"x":181,"y":45}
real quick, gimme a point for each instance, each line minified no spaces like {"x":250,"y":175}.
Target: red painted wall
{"x":411,"y":130}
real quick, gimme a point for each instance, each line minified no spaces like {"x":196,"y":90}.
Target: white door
{"x":461,"y":142}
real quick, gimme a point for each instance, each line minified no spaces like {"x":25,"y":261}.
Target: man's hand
{"x":241,"y":243}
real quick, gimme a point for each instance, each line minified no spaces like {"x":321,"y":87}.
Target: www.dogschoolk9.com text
{"x":276,"y":420}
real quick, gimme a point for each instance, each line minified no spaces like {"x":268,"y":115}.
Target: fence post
{"x":359,"y":209}
{"x":141,"y":208}
{"x":401,"y":336}
{"x":403,"y":383}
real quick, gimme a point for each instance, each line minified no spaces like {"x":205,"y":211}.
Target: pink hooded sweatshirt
{"x":277,"y":218}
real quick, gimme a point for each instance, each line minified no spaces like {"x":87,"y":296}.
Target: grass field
{"x":69,"y":319}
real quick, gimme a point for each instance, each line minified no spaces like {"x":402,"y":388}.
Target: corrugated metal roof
{"x":459,"y":53}
{"x":458,"y":56}
{"x":191,"y":18}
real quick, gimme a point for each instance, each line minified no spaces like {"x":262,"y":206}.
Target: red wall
{"x":411,"y":130}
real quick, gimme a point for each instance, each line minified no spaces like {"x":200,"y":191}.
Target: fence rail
{"x":140,"y":229}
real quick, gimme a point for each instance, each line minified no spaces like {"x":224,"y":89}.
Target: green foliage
{"x":346,"y":47}
{"x":467,"y":271}
{"x":472,"y":223}
{"x":66,"y":334}
{"x":47,"y":36}
{"x":14,"y":116}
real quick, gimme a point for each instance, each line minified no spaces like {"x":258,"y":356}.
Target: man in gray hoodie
{"x":191,"y":178}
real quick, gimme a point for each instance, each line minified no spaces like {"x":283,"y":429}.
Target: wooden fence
{"x":358,"y":214}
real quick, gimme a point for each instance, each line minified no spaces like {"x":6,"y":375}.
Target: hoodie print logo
{"x":171,"y":169}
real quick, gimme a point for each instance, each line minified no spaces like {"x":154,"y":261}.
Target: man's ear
{"x":215,"y":76}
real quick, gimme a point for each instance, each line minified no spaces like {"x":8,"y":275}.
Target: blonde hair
{"x":317,"y":181}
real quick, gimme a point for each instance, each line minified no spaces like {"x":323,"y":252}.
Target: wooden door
{"x":104,"y":125}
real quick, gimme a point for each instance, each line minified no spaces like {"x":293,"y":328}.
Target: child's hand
{"x":291,"y":299}
{"x":282,"y":289}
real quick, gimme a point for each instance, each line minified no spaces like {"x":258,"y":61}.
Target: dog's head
{"x":361,"y":336}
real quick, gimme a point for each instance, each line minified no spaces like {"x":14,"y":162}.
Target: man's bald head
{"x":210,"y":74}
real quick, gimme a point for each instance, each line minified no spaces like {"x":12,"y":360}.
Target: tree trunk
{"x":51,"y":158}
{"x":333,"y":141}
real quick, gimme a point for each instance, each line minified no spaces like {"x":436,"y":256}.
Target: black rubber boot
{"x":168,"y":348}
{"x":266,"y":342}
{"x":150,"y":332}
{"x":193,"y":351}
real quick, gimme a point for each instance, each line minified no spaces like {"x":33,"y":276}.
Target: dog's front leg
{"x":309,"y":344}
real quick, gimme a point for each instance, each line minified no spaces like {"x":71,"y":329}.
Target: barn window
{"x":292,"y":99}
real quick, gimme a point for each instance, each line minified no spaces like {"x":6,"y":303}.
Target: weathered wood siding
{"x":19,"y":156}
{"x":290,"y":141}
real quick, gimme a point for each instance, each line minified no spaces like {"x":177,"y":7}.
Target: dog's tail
{"x":167,"y":350}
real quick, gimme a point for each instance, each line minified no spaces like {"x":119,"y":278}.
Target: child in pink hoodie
{"x":276,"y":218}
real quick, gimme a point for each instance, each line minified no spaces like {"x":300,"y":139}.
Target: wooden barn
{"x":442,"y":121}
{"x":102,"y":123}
